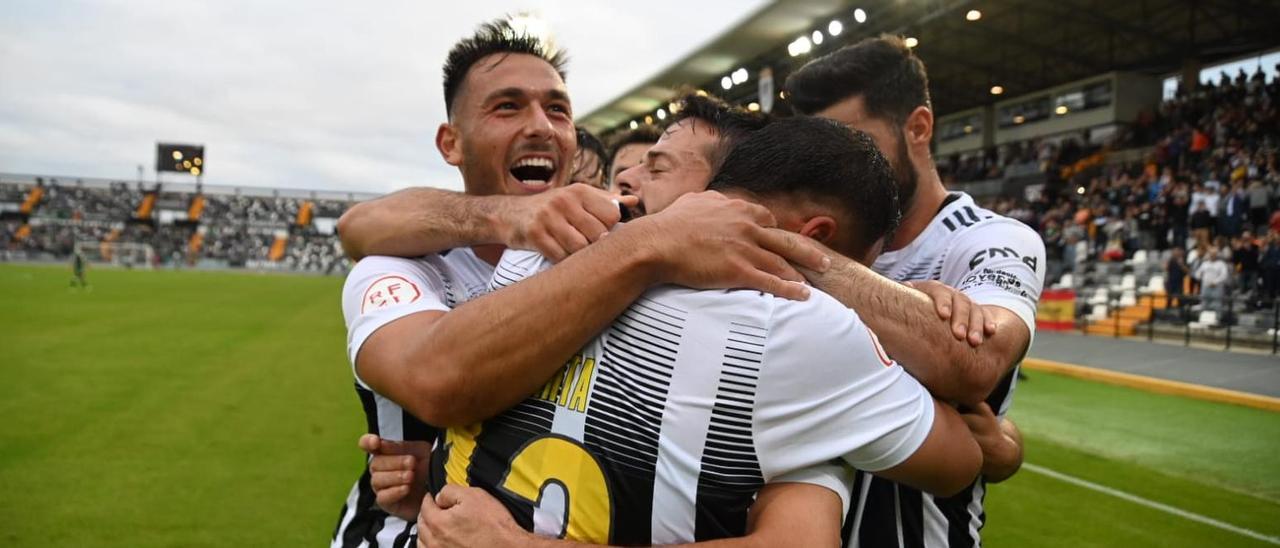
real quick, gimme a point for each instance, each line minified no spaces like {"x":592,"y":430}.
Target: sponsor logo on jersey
{"x":389,"y":291}
{"x":994,"y":252}
{"x":999,"y":278}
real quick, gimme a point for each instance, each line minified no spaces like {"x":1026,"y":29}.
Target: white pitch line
{"x":1152,"y":504}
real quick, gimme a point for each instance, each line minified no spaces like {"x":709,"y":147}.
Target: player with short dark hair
{"x":880,"y":87}
{"x":422,"y":345}
{"x":665,"y":427}
{"x":627,"y":149}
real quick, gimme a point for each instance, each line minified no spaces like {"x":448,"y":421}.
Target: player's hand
{"x":953,"y":305}
{"x":1001,"y":456}
{"x":560,"y":221}
{"x":708,"y":241}
{"x":398,"y":474}
{"x":464,"y":517}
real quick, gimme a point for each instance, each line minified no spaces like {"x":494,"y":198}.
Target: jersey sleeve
{"x":828,"y":391}
{"x":835,"y":475}
{"x":516,"y":265}
{"x":380,"y":290}
{"x":1000,"y":263}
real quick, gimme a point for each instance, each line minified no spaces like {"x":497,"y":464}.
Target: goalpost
{"x":121,"y":254}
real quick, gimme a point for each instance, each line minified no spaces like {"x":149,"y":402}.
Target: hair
{"x":732,"y":123}
{"x":588,"y":142}
{"x":494,"y":37}
{"x":883,"y":70}
{"x":644,"y":134}
{"x":820,"y":160}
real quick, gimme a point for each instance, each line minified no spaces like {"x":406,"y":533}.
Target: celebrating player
{"x":665,"y":427}
{"x":880,"y":87}
{"x":418,"y":360}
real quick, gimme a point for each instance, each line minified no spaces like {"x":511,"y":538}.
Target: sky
{"x":316,"y":94}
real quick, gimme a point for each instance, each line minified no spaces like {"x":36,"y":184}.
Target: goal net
{"x":125,"y":254}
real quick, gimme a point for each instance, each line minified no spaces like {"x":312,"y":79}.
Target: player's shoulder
{"x":967,"y":224}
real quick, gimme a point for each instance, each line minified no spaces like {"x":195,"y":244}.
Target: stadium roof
{"x":1020,"y":45}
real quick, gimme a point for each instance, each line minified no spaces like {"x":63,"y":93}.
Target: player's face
{"x":626,"y":158}
{"x":679,"y":163}
{"x":514,"y":127}
{"x":888,"y":137}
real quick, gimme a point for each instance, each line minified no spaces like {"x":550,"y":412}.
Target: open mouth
{"x":534,"y":172}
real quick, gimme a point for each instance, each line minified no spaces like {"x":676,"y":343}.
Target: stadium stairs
{"x":305,"y":213}
{"x":33,"y":200}
{"x":278,"y":247}
{"x":197,"y":207}
{"x":1125,"y":321}
{"x":148,"y":203}
{"x":195,"y":243}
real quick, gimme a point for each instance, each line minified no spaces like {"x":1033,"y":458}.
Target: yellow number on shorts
{"x":556,"y":460}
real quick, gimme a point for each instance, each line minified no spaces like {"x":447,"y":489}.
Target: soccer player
{"x":77,"y":270}
{"x":418,"y":356}
{"x":878,"y":86}
{"x":665,"y":427}
{"x":682,"y":162}
{"x":627,"y":150}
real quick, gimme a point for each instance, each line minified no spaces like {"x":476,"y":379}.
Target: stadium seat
{"x":1207,"y":319}
{"x":1128,"y":298}
{"x":1097,"y":313}
{"x":1128,"y":281}
{"x":1067,"y":281}
{"x":1140,"y":257}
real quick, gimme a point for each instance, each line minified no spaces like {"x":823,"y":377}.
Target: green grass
{"x":215,"y":409}
{"x":173,"y":409}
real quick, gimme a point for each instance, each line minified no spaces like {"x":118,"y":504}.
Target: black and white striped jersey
{"x":380,"y":290}
{"x":663,"y":428}
{"x":994,"y":260}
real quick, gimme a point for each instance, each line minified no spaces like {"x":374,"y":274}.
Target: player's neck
{"x":489,"y":253}
{"x":929,"y":197}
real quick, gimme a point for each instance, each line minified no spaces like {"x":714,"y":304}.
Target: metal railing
{"x":1183,"y":305}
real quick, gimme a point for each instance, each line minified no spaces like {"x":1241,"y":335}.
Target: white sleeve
{"x":828,"y":391}
{"x":999,"y":263}
{"x":836,"y":476}
{"x":380,"y":290}
{"x":516,"y":265}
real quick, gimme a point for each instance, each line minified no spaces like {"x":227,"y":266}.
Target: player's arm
{"x":486,"y":355}
{"x":863,"y":408}
{"x":1000,"y":440}
{"x":957,"y":361}
{"x":784,"y":514}
{"x":418,"y":221}
{"x":948,"y":460}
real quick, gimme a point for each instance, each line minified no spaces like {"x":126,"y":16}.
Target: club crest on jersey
{"x":389,"y":291}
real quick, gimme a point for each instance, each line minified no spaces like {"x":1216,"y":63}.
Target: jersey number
{"x":566,"y":486}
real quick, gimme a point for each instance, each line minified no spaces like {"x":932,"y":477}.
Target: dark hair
{"x":732,"y":123}
{"x":588,"y":142}
{"x":493,"y":37}
{"x":820,"y":160}
{"x":644,"y":134}
{"x":884,"y":71}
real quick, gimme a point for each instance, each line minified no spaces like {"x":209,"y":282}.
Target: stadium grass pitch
{"x":168,"y":408}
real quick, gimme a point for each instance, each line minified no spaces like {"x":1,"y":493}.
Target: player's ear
{"x":449,"y":144}
{"x":919,"y":127}
{"x":821,"y":228}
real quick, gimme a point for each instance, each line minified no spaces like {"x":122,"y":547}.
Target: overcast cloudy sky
{"x":298,"y":94}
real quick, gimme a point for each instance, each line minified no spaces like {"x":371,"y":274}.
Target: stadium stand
{"x":185,"y":225}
